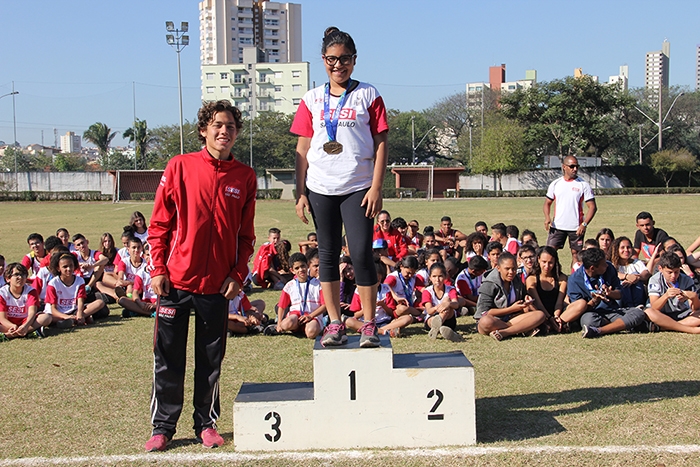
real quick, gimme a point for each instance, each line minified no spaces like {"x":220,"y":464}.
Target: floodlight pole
{"x":178,"y":41}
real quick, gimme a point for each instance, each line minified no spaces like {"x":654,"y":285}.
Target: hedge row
{"x":53,"y":196}
{"x":270,"y":193}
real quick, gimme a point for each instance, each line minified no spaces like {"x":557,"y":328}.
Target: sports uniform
{"x":17,"y":309}
{"x":201,"y":232}
{"x":429,"y":296}
{"x":381,"y":316}
{"x":401,"y":287}
{"x":302,"y":298}
{"x":468,"y":285}
{"x":93,"y":257}
{"x":337,"y":183}
{"x":64,"y":297}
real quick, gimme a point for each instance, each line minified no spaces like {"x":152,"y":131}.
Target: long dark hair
{"x":551,"y":251}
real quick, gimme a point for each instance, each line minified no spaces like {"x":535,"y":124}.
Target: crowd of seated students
{"x":62,"y":282}
{"x":510,"y":284}
{"x":515,"y":287}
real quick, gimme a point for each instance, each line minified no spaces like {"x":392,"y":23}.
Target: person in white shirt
{"x":568,"y":193}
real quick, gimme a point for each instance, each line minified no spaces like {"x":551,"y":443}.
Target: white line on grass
{"x":359,"y":454}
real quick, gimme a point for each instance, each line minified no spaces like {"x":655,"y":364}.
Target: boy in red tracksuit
{"x":202,"y":237}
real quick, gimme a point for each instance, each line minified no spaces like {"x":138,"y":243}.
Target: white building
{"x":256,"y":85}
{"x":226,"y":27}
{"x":622,"y":79}
{"x":657,"y":67}
{"x":70,"y":143}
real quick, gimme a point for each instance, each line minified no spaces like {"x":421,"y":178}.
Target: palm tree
{"x":140,"y":137}
{"x":101,"y":136}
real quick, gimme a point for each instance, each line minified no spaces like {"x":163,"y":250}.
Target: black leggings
{"x":329,"y":214}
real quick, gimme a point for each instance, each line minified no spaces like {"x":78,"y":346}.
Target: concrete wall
{"x":533,"y":180}
{"x":59,"y":181}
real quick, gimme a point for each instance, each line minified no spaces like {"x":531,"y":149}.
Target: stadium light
{"x":178,"y":41}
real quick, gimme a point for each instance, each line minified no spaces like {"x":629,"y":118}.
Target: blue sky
{"x":74,"y":61}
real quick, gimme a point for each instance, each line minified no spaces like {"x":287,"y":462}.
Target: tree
{"x":23,"y":161}
{"x":502,"y":149}
{"x":273,"y":145}
{"x":166,"y":141}
{"x":450,"y":114}
{"x":141,"y":138}
{"x":399,"y":140}
{"x":667,"y":162}
{"x":67,"y":162}
{"x":570,"y":116}
{"x":100,"y":135}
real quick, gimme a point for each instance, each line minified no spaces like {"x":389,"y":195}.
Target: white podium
{"x":361,"y":398}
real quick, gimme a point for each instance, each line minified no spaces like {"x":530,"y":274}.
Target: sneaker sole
{"x":450,"y":335}
{"x":369,"y":343}
{"x":435,"y":325}
{"x":334,"y":343}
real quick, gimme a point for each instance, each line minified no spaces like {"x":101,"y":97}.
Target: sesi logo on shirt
{"x":232,"y":191}
{"x":345,"y":114}
{"x":163,"y":179}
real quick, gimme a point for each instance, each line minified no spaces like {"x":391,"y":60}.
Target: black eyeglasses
{"x":344,"y":59}
{"x":573,"y":166}
{"x":383,"y":221}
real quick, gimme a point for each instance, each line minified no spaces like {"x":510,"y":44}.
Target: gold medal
{"x":333,"y":147}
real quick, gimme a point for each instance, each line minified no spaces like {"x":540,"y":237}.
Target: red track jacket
{"x":202,"y":227}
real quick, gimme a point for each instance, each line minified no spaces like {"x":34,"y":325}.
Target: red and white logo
{"x":166,"y":312}
{"x":232,"y":191}
{"x":345,"y":114}
{"x":163,"y":179}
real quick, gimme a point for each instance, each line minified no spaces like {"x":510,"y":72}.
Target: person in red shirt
{"x":396,"y":242}
{"x":202,"y":236}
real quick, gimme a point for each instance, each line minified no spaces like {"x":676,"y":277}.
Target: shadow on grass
{"x":527,"y":416}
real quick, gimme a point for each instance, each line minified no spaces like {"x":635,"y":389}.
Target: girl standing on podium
{"x":340,"y":164}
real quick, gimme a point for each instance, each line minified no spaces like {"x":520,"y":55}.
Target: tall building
{"x":657,"y":68}
{"x":226,"y":27}
{"x":70,"y":143}
{"x":482,"y":94}
{"x":622,"y":79}
{"x":256,"y":84}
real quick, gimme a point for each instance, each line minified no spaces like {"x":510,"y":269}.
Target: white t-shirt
{"x":64,"y":297}
{"x":363,"y":115}
{"x":569,"y":197}
{"x":635,"y":267}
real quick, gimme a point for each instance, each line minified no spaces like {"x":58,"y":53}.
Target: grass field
{"x":553,"y":401}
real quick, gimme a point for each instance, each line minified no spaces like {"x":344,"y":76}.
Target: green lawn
{"x":86,"y":392}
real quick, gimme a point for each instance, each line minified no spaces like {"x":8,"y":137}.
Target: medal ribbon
{"x":332,"y":123}
{"x":306,"y":294}
{"x":406,"y":289}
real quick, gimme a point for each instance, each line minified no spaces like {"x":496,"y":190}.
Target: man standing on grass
{"x":202,"y":237}
{"x":569,"y":193}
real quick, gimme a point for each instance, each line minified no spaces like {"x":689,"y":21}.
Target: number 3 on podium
{"x":275,"y":427}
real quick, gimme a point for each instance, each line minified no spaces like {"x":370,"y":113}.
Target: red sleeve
{"x":162,"y":222}
{"x":420,"y":283}
{"x":118,"y":261}
{"x":463,"y":287}
{"x":323,"y":302}
{"x":122,"y":266}
{"x":390,"y":281}
{"x":33,"y":298}
{"x":51,"y":294}
{"x":245,"y":303}
{"x":377,"y":233}
{"x":452,"y":294}
{"x":401,"y":244}
{"x":27,"y":262}
{"x":513,"y":248}
{"x":356,"y":304}
{"x":426,"y":298}
{"x":285,"y":301}
{"x":303,"y":124}
{"x":97,"y":255}
{"x":246,"y":233}
{"x":138,"y":283}
{"x":3,"y":304}
{"x":81,"y":292}
{"x":377,"y":116}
